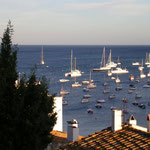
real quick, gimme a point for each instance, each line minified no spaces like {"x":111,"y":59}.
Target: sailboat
{"x":42,"y":58}
{"x":105,"y":83}
{"x":86,"y":81}
{"x":148,"y":74}
{"x":117,"y":79}
{"x":147,"y":59}
{"x":64,"y":92}
{"x":76,"y":84}
{"x":110,"y":63}
{"x":118,"y":61}
{"x":142,"y":75}
{"x":103,"y":66}
{"x":75,"y":72}
{"x":141,"y":67}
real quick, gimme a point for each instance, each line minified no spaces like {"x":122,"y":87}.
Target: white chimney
{"x":148,"y":123}
{"x":58,"y":108}
{"x":132,"y":120}
{"x":72,"y":130}
{"x":116,"y":120}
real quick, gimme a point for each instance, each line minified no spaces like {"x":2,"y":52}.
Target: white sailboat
{"x":75,"y":72}
{"x":64,"y":92}
{"x":110,"y":63}
{"x":141,"y":67}
{"x":119,"y":70}
{"x":103,"y":66}
{"x":109,"y":73}
{"x":86,"y":81}
{"x":118,"y":61}
{"x":76,"y":84}
{"x":148,"y":74}
{"x":42,"y":57}
{"x":147,"y":59}
{"x":142,"y":75}
{"x":117,"y":79}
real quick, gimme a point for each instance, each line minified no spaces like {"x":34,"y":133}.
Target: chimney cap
{"x":148,"y":117}
{"x":73,"y":121}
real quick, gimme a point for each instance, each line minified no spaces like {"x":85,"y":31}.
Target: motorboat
{"x":146,"y":86}
{"x":90,"y":111}
{"x":130,"y":91}
{"x":112,"y":96}
{"x":87,"y":96}
{"x":113,"y":78}
{"x":135,"y":103}
{"x":85,"y":90}
{"x":137,"y":79}
{"x":135,"y":63}
{"x":98,"y":106}
{"x":63,"y":80}
{"x":112,"y":108}
{"x":105,"y":91}
{"x":101,"y":101}
{"x":138,"y":95}
{"x":65,"y":102}
{"x":142,"y":106}
{"x":131,"y":77}
{"x":148,"y":81}
{"x":84,"y":101}
{"x":119,"y":70}
{"x":118,"y":88}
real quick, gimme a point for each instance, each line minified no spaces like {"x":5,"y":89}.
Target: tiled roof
{"x":124,"y":139}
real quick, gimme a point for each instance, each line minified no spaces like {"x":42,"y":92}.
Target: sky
{"x":77,"y":22}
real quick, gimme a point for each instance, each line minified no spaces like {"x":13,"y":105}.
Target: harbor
{"x":57,"y":63}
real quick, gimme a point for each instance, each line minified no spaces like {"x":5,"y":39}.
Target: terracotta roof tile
{"x":127,"y":138}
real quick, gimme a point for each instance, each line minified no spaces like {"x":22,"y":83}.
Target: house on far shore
{"x":119,"y":136}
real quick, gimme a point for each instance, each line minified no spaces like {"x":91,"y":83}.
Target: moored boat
{"x":98,"y":106}
{"x":101,"y":101}
{"x":84,"y":101}
{"x":119,"y":70}
{"x":131,"y":77}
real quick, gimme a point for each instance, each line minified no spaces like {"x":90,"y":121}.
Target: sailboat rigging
{"x":103,"y":66}
{"x":42,"y":57}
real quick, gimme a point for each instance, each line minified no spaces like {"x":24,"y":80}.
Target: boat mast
{"x":42,"y":58}
{"x":75,"y":63}
{"x":90,"y":75}
{"x":104,"y":56}
{"x":71,"y":59}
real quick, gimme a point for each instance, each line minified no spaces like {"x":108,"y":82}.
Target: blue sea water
{"x":57,"y":63}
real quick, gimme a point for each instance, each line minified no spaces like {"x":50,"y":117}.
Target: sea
{"x":57,"y":60}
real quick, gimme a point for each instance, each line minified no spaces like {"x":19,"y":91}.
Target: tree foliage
{"x":26,"y":111}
